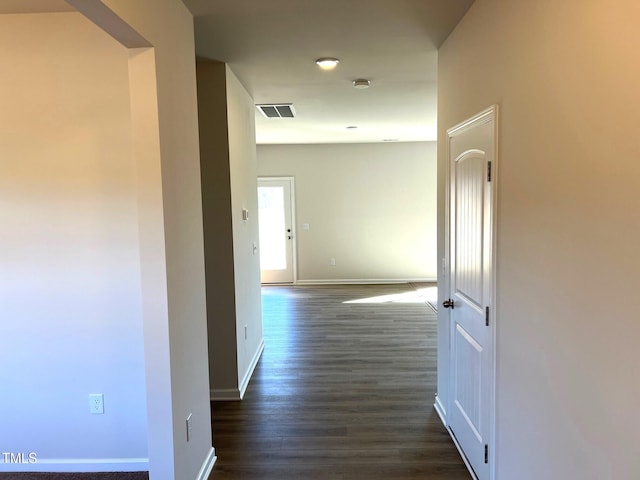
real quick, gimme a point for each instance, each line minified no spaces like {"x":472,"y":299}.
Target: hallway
{"x":344,"y":391}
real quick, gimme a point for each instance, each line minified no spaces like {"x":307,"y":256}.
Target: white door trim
{"x":484,"y":116}
{"x":294,"y":243}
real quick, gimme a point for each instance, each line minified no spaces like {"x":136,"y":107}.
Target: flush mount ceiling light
{"x":327,"y":63}
{"x":361,"y":83}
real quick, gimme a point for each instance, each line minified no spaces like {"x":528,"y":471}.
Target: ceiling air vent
{"x":278,"y":110}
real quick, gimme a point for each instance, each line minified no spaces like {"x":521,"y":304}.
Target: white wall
{"x":372,"y":207}
{"x":566,"y":77}
{"x":164,"y":157}
{"x":218,"y":228}
{"x":229,"y":185}
{"x":244,"y":194}
{"x":70,"y":278}
{"x":170,"y":203}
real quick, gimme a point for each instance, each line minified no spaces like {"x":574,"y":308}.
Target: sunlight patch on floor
{"x":421,"y":295}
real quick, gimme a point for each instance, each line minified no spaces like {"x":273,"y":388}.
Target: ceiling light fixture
{"x":327,"y":63}
{"x":361,"y":83}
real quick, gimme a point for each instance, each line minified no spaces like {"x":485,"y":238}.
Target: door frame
{"x":294,"y":240}
{"x":487,"y":115}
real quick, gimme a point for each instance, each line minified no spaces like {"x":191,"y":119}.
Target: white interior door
{"x":275,"y":218}
{"x":471,"y":287}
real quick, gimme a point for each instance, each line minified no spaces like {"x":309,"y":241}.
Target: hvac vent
{"x":279,"y":110}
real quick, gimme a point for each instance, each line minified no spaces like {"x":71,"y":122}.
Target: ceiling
{"x":34,"y":6}
{"x":271,"y":45}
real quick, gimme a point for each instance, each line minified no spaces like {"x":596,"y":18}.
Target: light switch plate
{"x":189,"y":426}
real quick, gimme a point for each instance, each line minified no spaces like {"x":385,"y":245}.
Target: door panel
{"x":471,"y":149}
{"x":468,"y":372}
{"x":276,"y":230}
{"x":470,"y":180}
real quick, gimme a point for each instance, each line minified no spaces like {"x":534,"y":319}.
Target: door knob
{"x":448,"y":304}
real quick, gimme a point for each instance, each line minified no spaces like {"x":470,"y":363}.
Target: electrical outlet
{"x":189,"y":426}
{"x":332,"y":262}
{"x":96,"y":403}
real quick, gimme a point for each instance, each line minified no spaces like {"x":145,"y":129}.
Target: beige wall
{"x":70,"y":278}
{"x":218,"y":232}
{"x":372,"y":207}
{"x":566,"y":77}
{"x":165,"y":147}
{"x":244,"y":195}
{"x":227,"y":138}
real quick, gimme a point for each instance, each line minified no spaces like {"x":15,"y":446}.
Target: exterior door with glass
{"x":275,"y":217}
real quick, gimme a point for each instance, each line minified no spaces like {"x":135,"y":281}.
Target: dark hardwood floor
{"x":344,"y":391}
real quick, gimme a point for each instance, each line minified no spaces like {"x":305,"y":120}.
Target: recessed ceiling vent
{"x":278,"y":110}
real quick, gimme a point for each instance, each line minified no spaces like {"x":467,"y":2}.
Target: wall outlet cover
{"x":96,"y":403}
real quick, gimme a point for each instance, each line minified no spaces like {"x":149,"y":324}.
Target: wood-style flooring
{"x":344,"y":391}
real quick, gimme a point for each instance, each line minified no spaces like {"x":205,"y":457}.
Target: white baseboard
{"x":207,"y":465}
{"x":365,"y":281}
{"x":235,"y":394}
{"x":441,"y":411}
{"x":252,"y":366}
{"x":74,"y":465}
{"x":224,"y":394}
